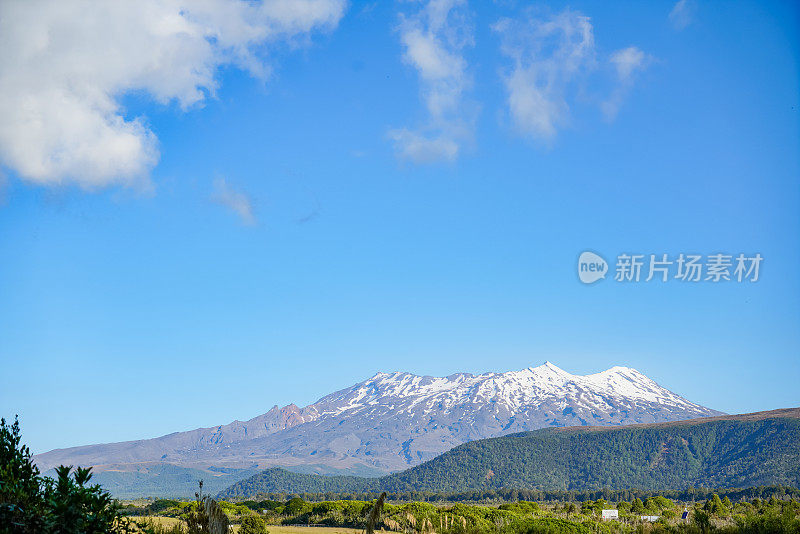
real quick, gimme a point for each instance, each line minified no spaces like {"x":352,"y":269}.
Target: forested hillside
{"x":733,"y":451}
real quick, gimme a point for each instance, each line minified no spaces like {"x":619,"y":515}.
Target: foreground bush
{"x":252,"y":524}
{"x":33,"y":504}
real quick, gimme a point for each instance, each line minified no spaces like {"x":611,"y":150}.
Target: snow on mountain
{"x":514,"y":390}
{"x":393,"y":421}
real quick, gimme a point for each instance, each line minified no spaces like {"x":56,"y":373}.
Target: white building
{"x":608,"y":515}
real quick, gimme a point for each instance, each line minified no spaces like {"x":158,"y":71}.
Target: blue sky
{"x":345,"y":200}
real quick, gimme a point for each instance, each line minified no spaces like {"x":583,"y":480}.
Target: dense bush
{"x":252,"y":524}
{"x":31,"y":503}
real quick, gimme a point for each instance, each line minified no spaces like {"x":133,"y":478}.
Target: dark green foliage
{"x":78,"y":508}
{"x":275,"y":501}
{"x":719,"y":453}
{"x":714,"y":505}
{"x":21,"y":487}
{"x":702,"y":520}
{"x":30,"y":503}
{"x":296,"y":506}
{"x":281,"y":480}
{"x":725,"y":453}
{"x":266,"y":504}
{"x":660,"y":502}
{"x":781,"y":518}
{"x":252,"y":524}
{"x":637,"y":507}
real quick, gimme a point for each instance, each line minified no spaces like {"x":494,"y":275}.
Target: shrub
{"x":207,"y":517}
{"x":296,"y":506}
{"x":252,"y":524}
{"x":30,"y":503}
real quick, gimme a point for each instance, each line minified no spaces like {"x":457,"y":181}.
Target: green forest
{"x":728,"y":453}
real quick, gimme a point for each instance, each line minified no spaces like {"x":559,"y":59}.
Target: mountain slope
{"x":731,"y":451}
{"x":393,"y":421}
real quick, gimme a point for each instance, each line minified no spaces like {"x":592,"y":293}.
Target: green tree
{"x":650,"y":505}
{"x":702,"y":520}
{"x":637,"y":506}
{"x":295,"y":506}
{"x":726,"y":502}
{"x":662,"y":503}
{"x":78,"y":508}
{"x":21,"y":497}
{"x":30,"y":503}
{"x":599,"y":505}
{"x":252,"y":524}
{"x":715,"y":506}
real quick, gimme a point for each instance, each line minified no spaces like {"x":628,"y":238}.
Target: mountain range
{"x":384,"y":424}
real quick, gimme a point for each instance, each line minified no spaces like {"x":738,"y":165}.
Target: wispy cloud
{"x":434,"y":40}
{"x":682,"y":14}
{"x":65,"y":65}
{"x":419,"y":148}
{"x":226,"y":195}
{"x":627,"y":63}
{"x":552,"y":57}
{"x":549,"y":55}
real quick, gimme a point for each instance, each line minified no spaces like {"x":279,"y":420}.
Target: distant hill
{"x":729,"y":451}
{"x":163,"y":480}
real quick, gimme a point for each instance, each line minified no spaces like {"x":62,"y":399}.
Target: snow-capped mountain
{"x":392,"y":421}
{"x":607,"y":396}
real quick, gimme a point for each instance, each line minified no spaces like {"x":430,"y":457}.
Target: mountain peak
{"x":550,"y":366}
{"x":621,"y":369}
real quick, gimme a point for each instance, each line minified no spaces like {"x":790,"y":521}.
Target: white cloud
{"x":65,"y":65}
{"x":627,"y":63}
{"x":553,"y":59}
{"x":548,"y":56}
{"x":682,"y":14}
{"x":421,"y":149}
{"x":434,"y":40}
{"x":225,"y":195}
